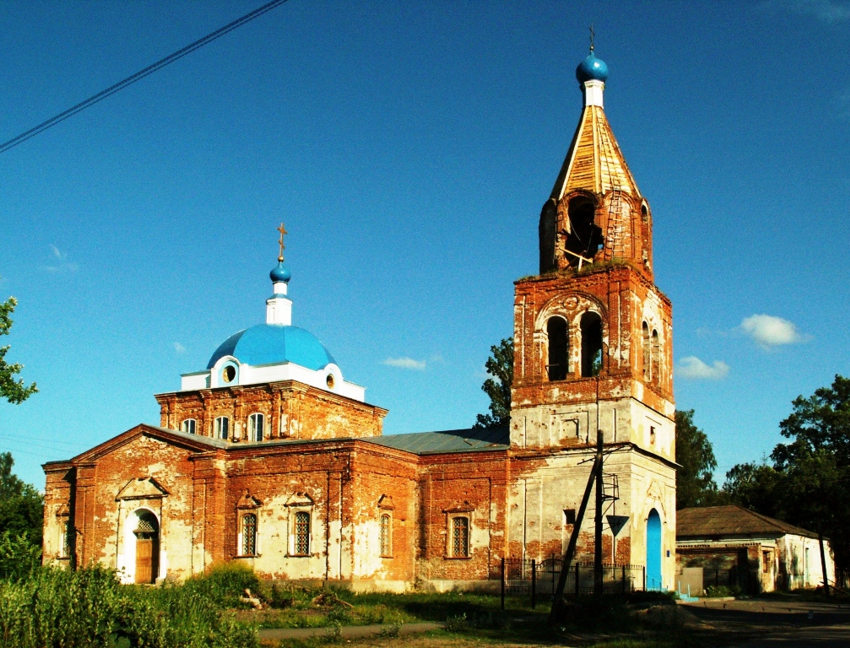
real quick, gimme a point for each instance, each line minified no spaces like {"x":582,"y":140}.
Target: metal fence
{"x":540,"y":578}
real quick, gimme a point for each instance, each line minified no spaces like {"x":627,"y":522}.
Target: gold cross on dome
{"x":282,"y":231}
{"x":592,"y":37}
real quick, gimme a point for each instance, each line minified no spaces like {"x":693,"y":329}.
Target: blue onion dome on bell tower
{"x":592,"y":68}
{"x":280,"y":272}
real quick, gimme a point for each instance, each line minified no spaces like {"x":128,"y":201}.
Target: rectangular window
{"x":255,"y":427}
{"x":249,"y":534}
{"x":302,"y":533}
{"x":66,"y":538}
{"x":386,"y":535}
{"x":460,"y":537}
{"x":221,"y":427}
{"x":188,"y":426}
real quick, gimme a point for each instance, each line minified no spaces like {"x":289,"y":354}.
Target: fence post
{"x":503,"y":583}
{"x":553,"y":572}
{"x":644,"y":577}
{"x":577,"y":577}
{"x":624,"y":579}
{"x":533,"y":583}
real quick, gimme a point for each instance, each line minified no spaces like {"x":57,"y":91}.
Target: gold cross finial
{"x":592,"y":37}
{"x":282,"y":231}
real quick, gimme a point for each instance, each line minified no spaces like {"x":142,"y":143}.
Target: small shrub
{"x":225,"y":583}
{"x":457,"y":623}
{"x":716,"y":591}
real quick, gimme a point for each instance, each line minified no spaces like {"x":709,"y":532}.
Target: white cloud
{"x":828,"y":11}
{"x":60,"y":261}
{"x":693,"y":367}
{"x":405,"y":363}
{"x":179,"y":348}
{"x":771,"y":331}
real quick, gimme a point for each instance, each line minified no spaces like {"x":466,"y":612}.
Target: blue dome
{"x":592,"y":68}
{"x":280,"y":272}
{"x":274,"y":344}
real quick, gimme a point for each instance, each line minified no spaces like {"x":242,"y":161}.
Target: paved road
{"x":774,"y":623}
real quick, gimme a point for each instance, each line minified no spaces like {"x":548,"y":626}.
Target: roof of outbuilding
{"x":712,"y":521}
{"x":466,"y":440}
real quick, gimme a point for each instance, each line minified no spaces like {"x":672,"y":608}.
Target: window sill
{"x":457,"y":557}
{"x":243,"y":556}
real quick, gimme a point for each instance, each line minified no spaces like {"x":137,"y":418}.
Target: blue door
{"x":653,"y":551}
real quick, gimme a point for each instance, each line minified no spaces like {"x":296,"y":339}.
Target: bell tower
{"x":592,"y":332}
{"x":593,"y":354}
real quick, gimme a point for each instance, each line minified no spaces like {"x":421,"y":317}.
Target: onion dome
{"x":280,"y":272}
{"x":592,"y":68}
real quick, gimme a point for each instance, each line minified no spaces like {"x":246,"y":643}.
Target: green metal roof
{"x":466,"y":440}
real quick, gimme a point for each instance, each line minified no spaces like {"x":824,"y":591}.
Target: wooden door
{"x":145,"y":558}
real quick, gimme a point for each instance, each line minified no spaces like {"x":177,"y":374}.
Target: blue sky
{"x":409,"y":147}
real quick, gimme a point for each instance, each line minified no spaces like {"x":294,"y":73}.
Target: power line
{"x":141,"y":74}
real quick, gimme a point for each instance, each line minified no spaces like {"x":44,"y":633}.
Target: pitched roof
{"x":731,"y":520}
{"x":594,"y":161}
{"x":466,"y":440}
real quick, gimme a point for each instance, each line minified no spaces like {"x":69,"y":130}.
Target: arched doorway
{"x":147,"y":547}
{"x":653,"y":551}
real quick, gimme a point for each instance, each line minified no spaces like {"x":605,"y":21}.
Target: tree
{"x":21,"y":505}
{"x":12,"y":389}
{"x":757,"y":487}
{"x":500,"y":367}
{"x":808,"y":480}
{"x":695,"y":485}
{"x":816,"y":465}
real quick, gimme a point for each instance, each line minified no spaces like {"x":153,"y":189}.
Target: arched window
{"x":255,"y":427}
{"x":302,"y":533}
{"x":656,"y":357}
{"x":591,"y":344}
{"x":249,"y":534}
{"x":188,"y":426}
{"x":647,"y":366}
{"x":460,"y":537}
{"x":556,"y":332}
{"x":221,"y":427}
{"x":386,"y":535}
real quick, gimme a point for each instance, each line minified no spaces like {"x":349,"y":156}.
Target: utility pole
{"x":597,"y":518}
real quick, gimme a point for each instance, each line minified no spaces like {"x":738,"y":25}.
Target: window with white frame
{"x":249,"y":534}
{"x":301,"y":535}
{"x":255,"y":427}
{"x":221,"y":427}
{"x":188,"y":426}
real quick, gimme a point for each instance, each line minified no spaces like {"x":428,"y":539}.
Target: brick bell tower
{"x":593,"y":338}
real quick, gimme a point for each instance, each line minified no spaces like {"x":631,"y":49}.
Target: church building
{"x":270,"y":457}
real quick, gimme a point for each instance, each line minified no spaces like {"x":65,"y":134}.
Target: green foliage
{"x":11,"y":387}
{"x":808,"y":483}
{"x":695,"y":485}
{"x":225,"y":583}
{"x":500,"y":368}
{"x":756,"y":486}
{"x":88,"y":607}
{"x":19,"y":557}
{"x":721,"y":591}
{"x":21,"y":505}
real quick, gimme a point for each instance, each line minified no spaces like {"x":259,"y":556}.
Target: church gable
{"x":141,"y":488}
